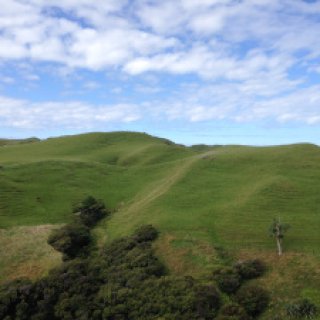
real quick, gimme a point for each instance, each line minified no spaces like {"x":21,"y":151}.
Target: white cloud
{"x":195,"y":103}
{"x":23,"y":114}
{"x":231,"y":102}
{"x":162,"y":16}
{"x":209,"y":23}
{"x":246,"y":53}
{"x":111,"y":37}
{"x":96,"y":50}
{"x":299,"y":106}
{"x":7,"y":80}
{"x":91,"y":85}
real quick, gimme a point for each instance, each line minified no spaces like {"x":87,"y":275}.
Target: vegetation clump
{"x":70,"y":240}
{"x":233,"y":311}
{"x":301,"y":309}
{"x":146,"y":233}
{"x":250,"y":269}
{"x":90,"y":211}
{"x":253,"y":299}
{"x":124,"y":281}
{"x":227,"y":279}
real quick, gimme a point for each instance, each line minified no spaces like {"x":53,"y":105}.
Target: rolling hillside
{"x":202,"y":199}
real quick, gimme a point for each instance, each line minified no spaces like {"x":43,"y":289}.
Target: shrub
{"x":70,"y":240}
{"x":227,"y":279}
{"x":16,"y":299}
{"x":250,"y":269}
{"x":253,"y":299}
{"x":232,"y":311}
{"x":125,"y":281}
{"x":301,"y":309}
{"x":145,"y":233}
{"x":207,"y":301}
{"x":90,"y":211}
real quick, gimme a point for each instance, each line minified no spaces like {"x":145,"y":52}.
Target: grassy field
{"x":201,"y":199}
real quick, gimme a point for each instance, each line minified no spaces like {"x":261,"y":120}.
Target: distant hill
{"x":201,"y":198}
{"x":6,"y":142}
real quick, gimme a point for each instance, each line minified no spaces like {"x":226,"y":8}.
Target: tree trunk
{"x":279,"y":244}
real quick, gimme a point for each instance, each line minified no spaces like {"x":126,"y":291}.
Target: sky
{"x":193,"y":71}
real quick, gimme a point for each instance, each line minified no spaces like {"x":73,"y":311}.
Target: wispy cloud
{"x":202,"y":103}
{"x":24,"y":114}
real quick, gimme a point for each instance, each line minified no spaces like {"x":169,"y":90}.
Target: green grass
{"x":39,"y":182}
{"x":8,"y":142}
{"x":231,"y":197}
{"x":199,"y":198}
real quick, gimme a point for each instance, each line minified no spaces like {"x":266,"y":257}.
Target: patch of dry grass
{"x":183,"y":256}
{"x":25,"y":253}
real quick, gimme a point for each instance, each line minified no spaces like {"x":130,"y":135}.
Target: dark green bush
{"x":232,"y":311}
{"x":253,"y":299}
{"x":301,"y":309}
{"x":70,"y":240}
{"x":145,"y":233}
{"x":15,"y":298}
{"x":124,"y":280}
{"x":161,"y":298}
{"x":227,"y":279}
{"x":207,"y":301}
{"x":90,"y":211}
{"x":250,"y":269}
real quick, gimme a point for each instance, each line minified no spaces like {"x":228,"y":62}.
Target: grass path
{"x":144,"y":198}
{"x":151,"y":193}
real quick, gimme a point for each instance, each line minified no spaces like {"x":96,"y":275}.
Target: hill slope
{"x":40,"y":181}
{"x":202,"y":199}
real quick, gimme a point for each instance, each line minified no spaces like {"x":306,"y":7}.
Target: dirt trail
{"x":162,"y":186}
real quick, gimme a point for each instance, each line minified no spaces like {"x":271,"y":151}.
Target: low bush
{"x":232,"y":311}
{"x":90,"y":211}
{"x":301,"y":309}
{"x":15,"y":297}
{"x":125,"y":281}
{"x":70,"y":240}
{"x":207,"y":301}
{"x":250,"y":269}
{"x":253,"y":299}
{"x":227,"y":279}
{"x":161,"y":298}
{"x":145,"y":233}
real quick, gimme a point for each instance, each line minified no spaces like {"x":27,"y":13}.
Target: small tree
{"x":277,"y":230}
{"x":90,"y":211}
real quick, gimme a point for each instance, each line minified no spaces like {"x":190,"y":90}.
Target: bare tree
{"x":277,"y":230}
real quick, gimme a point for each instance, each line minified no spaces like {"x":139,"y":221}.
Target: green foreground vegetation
{"x":207,"y":203}
{"x":126,"y":281}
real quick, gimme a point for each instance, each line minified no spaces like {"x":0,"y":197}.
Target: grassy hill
{"x":204,"y":200}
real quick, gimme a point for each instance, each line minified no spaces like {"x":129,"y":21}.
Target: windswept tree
{"x":277,"y":230}
{"x":90,"y":211}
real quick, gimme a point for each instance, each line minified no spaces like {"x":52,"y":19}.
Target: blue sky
{"x":194,"y":71}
